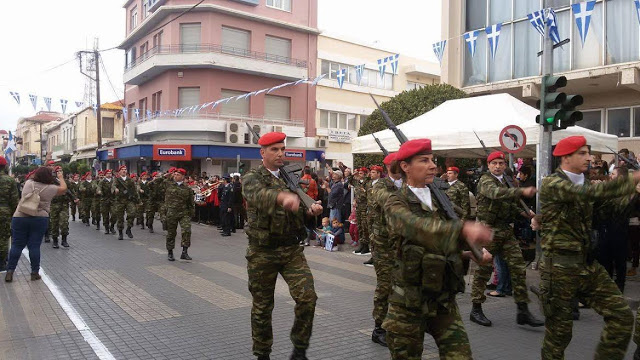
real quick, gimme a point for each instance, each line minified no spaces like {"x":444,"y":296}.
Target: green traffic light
{"x":549,"y":120}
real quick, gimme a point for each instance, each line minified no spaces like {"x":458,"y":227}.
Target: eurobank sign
{"x":172,"y":152}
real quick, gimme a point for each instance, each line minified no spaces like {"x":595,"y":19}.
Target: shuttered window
{"x":188,"y":96}
{"x":235,"y":107}
{"x":278,"y":49}
{"x":190,"y":37}
{"x":234,"y":41}
{"x":277,"y":107}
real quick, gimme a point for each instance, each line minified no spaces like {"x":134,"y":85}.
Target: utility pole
{"x":95,"y":59}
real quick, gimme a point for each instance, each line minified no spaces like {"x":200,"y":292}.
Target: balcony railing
{"x":212,"y":48}
{"x":217,"y":116}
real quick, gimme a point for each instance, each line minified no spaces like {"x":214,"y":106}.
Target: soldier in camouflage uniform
{"x":126,"y":197}
{"x":458,"y":193}
{"x":9,"y":198}
{"x":139,"y":214}
{"x":106,"y":206}
{"x":97,"y":199}
{"x":74,"y":187}
{"x":385,"y":246}
{"x":275,"y":228}
{"x":428,"y":270}
{"x":154,"y":201}
{"x":59,"y":216}
{"x":180,"y":209}
{"x":374,"y":175}
{"x":360,"y":193}
{"x":144,"y":189}
{"x":162,"y":188}
{"x":87,"y":192}
{"x":569,"y":271}
{"x":498,"y":207}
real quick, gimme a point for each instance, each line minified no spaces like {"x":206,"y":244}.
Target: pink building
{"x":218,"y":49}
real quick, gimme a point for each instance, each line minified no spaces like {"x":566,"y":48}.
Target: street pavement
{"x":108,"y":299}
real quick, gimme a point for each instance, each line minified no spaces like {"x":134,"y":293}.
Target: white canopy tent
{"x":450,"y":127}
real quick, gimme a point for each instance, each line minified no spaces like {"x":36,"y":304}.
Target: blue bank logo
{"x":171,"y":152}
{"x":294,"y":154}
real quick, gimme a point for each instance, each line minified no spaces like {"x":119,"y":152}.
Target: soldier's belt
{"x":567,"y":259}
{"x":276,"y":242}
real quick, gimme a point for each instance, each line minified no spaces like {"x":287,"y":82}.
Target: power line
{"x":109,"y":80}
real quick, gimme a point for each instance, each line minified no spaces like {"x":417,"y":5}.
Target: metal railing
{"x":259,"y":120}
{"x":213,"y":48}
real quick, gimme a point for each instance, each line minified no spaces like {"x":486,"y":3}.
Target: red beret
{"x":100,"y":172}
{"x":171,"y":169}
{"x":377,"y":168}
{"x":181,"y":171}
{"x":88,"y":173}
{"x":389,"y":159}
{"x":143,"y":173}
{"x":83,"y":177}
{"x":50,"y":162}
{"x":413,"y":147}
{"x":122,"y":167}
{"x":133,"y":175}
{"x":154,"y":174}
{"x":57,"y":168}
{"x":272,"y":138}
{"x":108,"y":171}
{"x":495,"y":155}
{"x":453,"y":168}
{"x":3,"y":161}
{"x":569,"y":145}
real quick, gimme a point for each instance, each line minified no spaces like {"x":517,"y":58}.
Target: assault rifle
{"x":384,"y":151}
{"x":290,"y":175}
{"x":437,"y":192}
{"x":631,"y":163}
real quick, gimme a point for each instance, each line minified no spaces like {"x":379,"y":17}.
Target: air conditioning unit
{"x":278,"y":128}
{"x":322,"y":143}
{"x":235,"y":132}
{"x":129,"y":134}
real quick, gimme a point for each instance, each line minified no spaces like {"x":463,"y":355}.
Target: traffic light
{"x":241,"y":168}
{"x":557,"y":109}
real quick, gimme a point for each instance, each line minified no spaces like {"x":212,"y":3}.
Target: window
{"x":324,"y":119}
{"x":143,"y":107}
{"x":500,"y":65}
{"x":476,"y":14}
{"x":130,"y":115}
{"x":131,"y":57}
{"x":145,"y":9}
{"x":590,"y":54}
{"x":107,"y":127}
{"x":499,"y":11}
{"x":636,"y":121}
{"x":622,"y":32}
{"x":335,"y":120}
{"x":370,"y":78}
{"x":235,"y":41}
{"x":156,"y":101}
{"x":619,"y":122}
{"x":277,"y":49}
{"x":284,"y":5}
{"x":591,"y":120}
{"x":157,"y":40}
{"x":143,"y":50}
{"x":190,"y":37}
{"x":188,"y":96}
{"x":475,"y":68}
{"x":525,"y":50}
{"x":133,"y":18}
{"x":235,"y":107}
{"x":277,"y":107}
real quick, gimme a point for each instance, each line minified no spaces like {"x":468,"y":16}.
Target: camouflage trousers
{"x":263,"y":267}
{"x":118,"y":209}
{"x":140,"y":213}
{"x":86,"y":209}
{"x":173,"y":219}
{"x":73,"y":206}
{"x":5,"y":233}
{"x":406,"y":328}
{"x":636,"y":334}
{"x":383,"y":260}
{"x":59,"y":219}
{"x":95,"y":208}
{"x":106,"y":208}
{"x":592,"y":286}
{"x":363,"y":226}
{"x":151,"y":209}
{"x":505,"y":245}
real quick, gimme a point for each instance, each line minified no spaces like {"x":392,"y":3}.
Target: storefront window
{"x":619,"y":122}
{"x":591,"y":120}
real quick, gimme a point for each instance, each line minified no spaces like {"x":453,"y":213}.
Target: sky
{"x":41,"y":38}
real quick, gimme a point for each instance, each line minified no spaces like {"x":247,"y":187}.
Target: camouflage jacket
{"x":180,"y":198}
{"x":497,"y":203}
{"x":567,"y":210}
{"x":459,"y":195}
{"x":105,"y":189}
{"x":64,"y":198}
{"x":161,"y":188}
{"x":369,"y":195}
{"x":126,"y":189}
{"x":74,"y":188}
{"x":9,"y":196}
{"x":360,"y":193}
{"x":381,"y":192}
{"x":270,"y":224}
{"x":145,"y":190}
{"x":87,"y":190}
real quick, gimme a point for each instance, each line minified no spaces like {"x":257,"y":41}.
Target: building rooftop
{"x":44,"y":116}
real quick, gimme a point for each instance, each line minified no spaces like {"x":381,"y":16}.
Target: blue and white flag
{"x":79,"y":104}
{"x":16,"y":96}
{"x":137,"y":114}
{"x":536,"y":20}
{"x":438,"y":49}
{"x":63,"y":105}
{"x":637,"y":2}
{"x":316,"y":80}
{"x":552,"y":23}
{"x":471,"y":38}
{"x":382,"y":66}
{"x":493,"y":35}
{"x":582,"y":12}
{"x":359,"y":73}
{"x":394,"y":63}
{"x":34,"y":101}
{"x":95,"y":109}
{"x":149,"y":114}
{"x":47,"y":101}
{"x":125,"y":114}
{"x":341,"y":75}
{"x":11,"y":145}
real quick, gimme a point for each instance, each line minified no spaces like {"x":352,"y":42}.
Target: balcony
{"x":208,"y":56}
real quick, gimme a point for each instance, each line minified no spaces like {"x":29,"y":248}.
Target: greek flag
{"x":11,"y":145}
{"x":137,"y":114}
{"x":34,"y":101}
{"x":438,"y":49}
{"x":47,"y":101}
{"x":341,"y":75}
{"x":63,"y":105}
{"x":382,"y":66}
{"x":637,"y":2}
{"x":394,"y":63}
{"x":582,"y":13}
{"x":124,"y":113}
{"x":493,"y":35}
{"x":16,"y":96}
{"x":536,"y":19}
{"x":149,"y":114}
{"x":79,"y":104}
{"x":359,"y":73}
{"x":471,"y":38}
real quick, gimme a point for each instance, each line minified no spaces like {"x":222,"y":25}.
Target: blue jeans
{"x":335,"y":214}
{"x":27,"y":231}
{"x":504,"y":278}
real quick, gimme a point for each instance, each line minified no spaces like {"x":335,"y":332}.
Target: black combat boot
{"x":73,"y":217}
{"x":64,"y":241}
{"x":129,"y":234}
{"x":55,"y":242}
{"x":9,"y":276}
{"x":86,"y":223}
{"x":47,"y":238}
{"x":107,"y":231}
{"x":170,"y":256}
{"x":150,"y":226}
{"x":365,"y":250}
{"x":477,"y":316}
{"x":98,"y":225}
{"x":142,"y":226}
{"x":120,"y":237}
{"x":379,"y":336}
{"x":525,"y":317}
{"x":358,"y":249}
{"x":184,"y":255}
{"x":369,"y":262}
{"x":113,"y":230}
{"x":299,"y":354}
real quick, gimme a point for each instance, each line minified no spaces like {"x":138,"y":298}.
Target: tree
{"x":403,"y":107}
{"x":83,"y":168}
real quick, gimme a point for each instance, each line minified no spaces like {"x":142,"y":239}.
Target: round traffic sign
{"x":512,"y":139}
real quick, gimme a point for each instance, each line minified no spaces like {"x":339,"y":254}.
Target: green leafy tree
{"x":403,"y":107}
{"x":83,"y":168}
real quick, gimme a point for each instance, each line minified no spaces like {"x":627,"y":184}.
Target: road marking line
{"x":325,"y":260}
{"x":98,"y":347}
